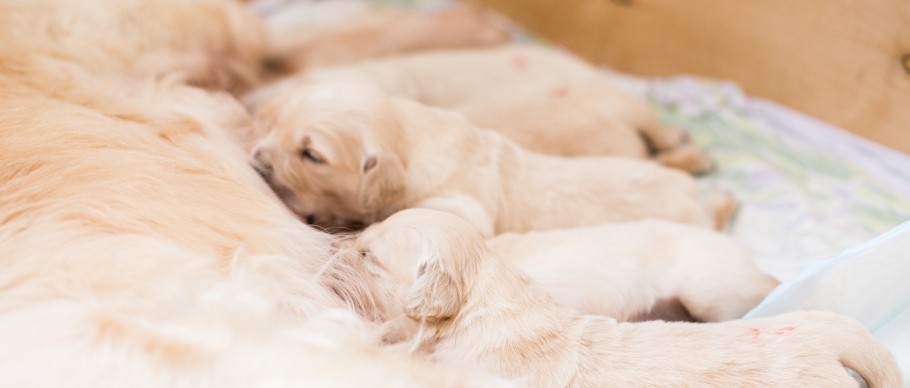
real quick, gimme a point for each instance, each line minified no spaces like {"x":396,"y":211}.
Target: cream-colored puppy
{"x":629,"y":271}
{"x":474,"y":307}
{"x":543,"y":99}
{"x":347,"y":154}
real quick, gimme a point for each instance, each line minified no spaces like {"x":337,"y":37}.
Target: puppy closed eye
{"x":372,"y":264}
{"x":312,"y":156}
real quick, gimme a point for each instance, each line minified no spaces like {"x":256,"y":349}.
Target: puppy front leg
{"x":465,"y":207}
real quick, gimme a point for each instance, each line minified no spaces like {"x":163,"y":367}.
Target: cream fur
{"x":141,"y":250}
{"x":218,"y":43}
{"x":139,"y":247}
{"x":623,"y":270}
{"x":474,"y":307}
{"x":544,"y":100}
{"x":377,"y":154}
{"x":302,"y":43}
{"x":620,"y":271}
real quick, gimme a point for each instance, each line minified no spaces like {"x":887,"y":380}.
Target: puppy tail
{"x":862,"y":353}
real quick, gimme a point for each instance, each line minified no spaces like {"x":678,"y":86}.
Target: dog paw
{"x":687,"y":158}
{"x":723,"y":206}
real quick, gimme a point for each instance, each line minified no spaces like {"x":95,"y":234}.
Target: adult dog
{"x":473,"y":307}
{"x":343,"y":154}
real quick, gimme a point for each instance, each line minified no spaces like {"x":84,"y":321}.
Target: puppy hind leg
{"x":672,"y":147}
{"x":722,"y":207}
{"x":686,"y":157}
{"x":662,"y":138}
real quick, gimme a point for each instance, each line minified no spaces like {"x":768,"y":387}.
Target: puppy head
{"x":332,"y":153}
{"x":421,"y":262}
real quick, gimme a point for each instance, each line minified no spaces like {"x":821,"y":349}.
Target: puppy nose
{"x":310,"y":219}
{"x":259,"y":155}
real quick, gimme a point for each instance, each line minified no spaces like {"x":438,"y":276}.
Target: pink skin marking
{"x":519,"y":62}
{"x":561,"y":92}
{"x":755,"y":332}
{"x":784,"y":330}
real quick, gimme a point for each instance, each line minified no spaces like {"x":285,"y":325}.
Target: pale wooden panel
{"x":843,"y":61}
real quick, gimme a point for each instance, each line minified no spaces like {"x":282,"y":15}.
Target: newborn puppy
{"x":543,"y":99}
{"x":630,"y":271}
{"x":474,"y":307}
{"x":343,"y":154}
{"x":624,"y":271}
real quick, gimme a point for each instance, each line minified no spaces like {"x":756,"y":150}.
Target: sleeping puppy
{"x":640,"y":270}
{"x":544,"y":100}
{"x":348,"y":154}
{"x":472,"y":306}
{"x":631,"y":271}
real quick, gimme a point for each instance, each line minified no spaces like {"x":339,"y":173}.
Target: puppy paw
{"x":723,"y":207}
{"x":435,"y":295}
{"x":687,"y":158}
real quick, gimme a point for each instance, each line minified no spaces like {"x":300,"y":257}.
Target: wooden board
{"x":846,"y":62}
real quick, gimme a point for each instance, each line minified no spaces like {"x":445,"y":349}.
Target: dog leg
{"x":687,"y":158}
{"x":722,"y":206}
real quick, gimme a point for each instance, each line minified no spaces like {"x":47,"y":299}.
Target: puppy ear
{"x":264,"y":118}
{"x":435,"y":295}
{"x":383,"y":180}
